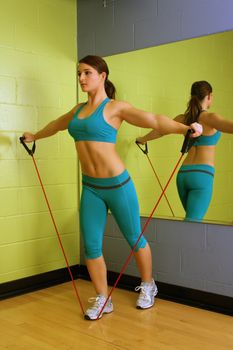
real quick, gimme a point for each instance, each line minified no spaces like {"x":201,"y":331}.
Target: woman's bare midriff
{"x":200,"y":155}
{"x":99,"y":159}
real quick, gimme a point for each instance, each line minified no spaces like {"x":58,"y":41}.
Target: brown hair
{"x":99,"y":64}
{"x":199,"y":90}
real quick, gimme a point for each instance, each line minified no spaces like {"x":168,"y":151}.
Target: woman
{"x":106,"y":182}
{"x":196,"y":175}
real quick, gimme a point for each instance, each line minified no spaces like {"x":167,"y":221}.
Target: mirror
{"x":159,"y":79}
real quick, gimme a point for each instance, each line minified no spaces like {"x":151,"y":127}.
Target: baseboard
{"x":32,"y":283}
{"x":192,"y":297}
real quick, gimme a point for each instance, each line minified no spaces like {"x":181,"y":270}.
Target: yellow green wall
{"x":159,"y":79}
{"x":37,"y":84}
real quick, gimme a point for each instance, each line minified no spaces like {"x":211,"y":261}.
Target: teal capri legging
{"x":118,"y":195}
{"x":195,"y":187}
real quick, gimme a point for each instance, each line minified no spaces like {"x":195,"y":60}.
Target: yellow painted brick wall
{"x":159,"y":79}
{"x":37,"y":84}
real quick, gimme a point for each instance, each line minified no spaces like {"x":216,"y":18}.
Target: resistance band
{"x":145,"y":151}
{"x":31,"y":153}
{"x":187,"y":144}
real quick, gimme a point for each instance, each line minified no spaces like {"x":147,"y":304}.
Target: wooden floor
{"x":51,"y":319}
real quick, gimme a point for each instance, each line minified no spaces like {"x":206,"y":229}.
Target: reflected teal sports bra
{"x":211,"y":140}
{"x":92,"y":128}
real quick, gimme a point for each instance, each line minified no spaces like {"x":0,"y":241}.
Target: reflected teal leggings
{"x":195,"y":187}
{"x":116,"y":194}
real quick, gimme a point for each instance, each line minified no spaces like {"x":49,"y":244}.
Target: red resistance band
{"x":31,"y":152}
{"x":145,"y":151}
{"x":188,"y":142}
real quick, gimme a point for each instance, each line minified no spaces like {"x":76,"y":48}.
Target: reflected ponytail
{"x":99,"y":64}
{"x":199,"y":90}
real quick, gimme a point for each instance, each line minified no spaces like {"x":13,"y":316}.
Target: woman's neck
{"x":95,"y":99}
{"x":204,"y":107}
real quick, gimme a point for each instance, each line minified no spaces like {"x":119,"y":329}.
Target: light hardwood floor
{"x":51,"y":319}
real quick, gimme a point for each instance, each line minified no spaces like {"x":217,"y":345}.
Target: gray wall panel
{"x":150,"y":231}
{"x":214,"y":238}
{"x":166,"y":258}
{"x":148,"y":32}
{"x":93,"y":20}
{"x":119,"y":250}
{"x":116,"y":39}
{"x":188,"y":236}
{"x":206,"y":17}
{"x":127,"y":25}
{"x":219,"y":288}
{"x":88,"y":44}
{"x":132,"y":11}
{"x":182,"y":255}
{"x":180,"y":280}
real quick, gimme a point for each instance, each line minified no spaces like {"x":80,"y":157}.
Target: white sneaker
{"x":148,"y":291}
{"x":98,"y":302}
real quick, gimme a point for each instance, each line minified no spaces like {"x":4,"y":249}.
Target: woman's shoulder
{"x":77,"y":107}
{"x":119,"y":105}
{"x":211,"y":120}
{"x":207,"y":117}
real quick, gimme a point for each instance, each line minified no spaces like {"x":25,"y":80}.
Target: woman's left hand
{"x":140,"y":140}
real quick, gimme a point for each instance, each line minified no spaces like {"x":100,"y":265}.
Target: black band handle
{"x":188,"y":141}
{"x":145,"y":150}
{"x":30,"y":151}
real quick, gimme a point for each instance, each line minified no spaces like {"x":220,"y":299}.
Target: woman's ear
{"x":104,"y":75}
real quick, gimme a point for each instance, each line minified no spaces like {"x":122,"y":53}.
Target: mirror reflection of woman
{"x":106,"y":184}
{"x":196,"y":175}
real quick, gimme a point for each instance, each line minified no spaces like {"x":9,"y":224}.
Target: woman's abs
{"x":99,"y":159}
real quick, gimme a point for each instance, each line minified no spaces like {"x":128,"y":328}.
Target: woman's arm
{"x":52,"y":128}
{"x":217,"y":122}
{"x":160,"y":123}
{"x":153,"y":134}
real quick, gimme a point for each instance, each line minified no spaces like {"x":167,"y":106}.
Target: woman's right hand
{"x":28,"y":137}
{"x":197,"y":128}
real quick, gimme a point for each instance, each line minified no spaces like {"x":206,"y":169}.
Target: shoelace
{"x":143,"y":293}
{"x":97,"y":302}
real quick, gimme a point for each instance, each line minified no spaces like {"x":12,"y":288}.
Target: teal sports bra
{"x":92,"y":128}
{"x":211,"y":140}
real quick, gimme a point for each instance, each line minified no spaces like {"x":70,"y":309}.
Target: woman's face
{"x":89,"y":79}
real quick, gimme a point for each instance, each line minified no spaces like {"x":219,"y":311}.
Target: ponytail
{"x":193,"y":110}
{"x":199,"y":90}
{"x":110,"y":89}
